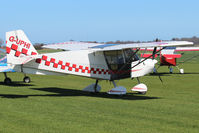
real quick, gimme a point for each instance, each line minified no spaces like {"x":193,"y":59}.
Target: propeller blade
{"x":154,"y":52}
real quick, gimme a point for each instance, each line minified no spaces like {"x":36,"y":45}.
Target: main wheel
{"x":26,"y":79}
{"x":7,"y":81}
{"x":171,"y":70}
{"x":143,"y":93}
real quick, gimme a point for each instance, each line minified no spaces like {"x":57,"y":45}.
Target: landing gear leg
{"x":26,"y":79}
{"x":170,"y":70}
{"x":155,"y":70}
{"x":114,"y":84}
{"x":7,"y":80}
{"x":138,"y":80}
{"x":95,"y":87}
{"x":117,"y":90}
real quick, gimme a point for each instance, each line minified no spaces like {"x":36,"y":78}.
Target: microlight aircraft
{"x":98,"y":61}
{"x":168,"y":56}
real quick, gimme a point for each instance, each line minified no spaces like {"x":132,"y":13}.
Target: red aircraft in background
{"x":168,"y":56}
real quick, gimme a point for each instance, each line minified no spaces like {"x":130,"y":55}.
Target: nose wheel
{"x":170,"y":70}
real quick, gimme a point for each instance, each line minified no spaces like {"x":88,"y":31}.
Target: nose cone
{"x":155,"y":61}
{"x":150,"y":62}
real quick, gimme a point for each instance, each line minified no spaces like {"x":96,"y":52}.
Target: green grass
{"x":56,"y":104}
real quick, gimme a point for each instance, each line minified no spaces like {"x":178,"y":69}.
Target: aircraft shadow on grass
{"x":16,"y":84}
{"x":159,"y":74}
{"x":170,"y":74}
{"x":189,"y":73}
{"x":60,"y":92}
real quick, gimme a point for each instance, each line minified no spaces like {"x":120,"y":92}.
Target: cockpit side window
{"x":114,"y":59}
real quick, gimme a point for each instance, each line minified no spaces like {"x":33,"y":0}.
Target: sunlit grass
{"x":56,"y":104}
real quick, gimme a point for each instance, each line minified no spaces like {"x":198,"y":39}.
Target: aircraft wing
{"x":176,"y":49}
{"x":107,"y":47}
{"x":187,"y":49}
{"x":71,"y":45}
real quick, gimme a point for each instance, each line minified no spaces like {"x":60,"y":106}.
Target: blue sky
{"x":49,"y":21}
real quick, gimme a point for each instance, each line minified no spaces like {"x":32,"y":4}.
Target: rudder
{"x":18,"y":46}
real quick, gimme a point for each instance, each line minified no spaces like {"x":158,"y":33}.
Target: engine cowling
{"x":143,"y":68}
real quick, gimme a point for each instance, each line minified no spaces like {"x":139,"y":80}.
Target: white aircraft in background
{"x":5,"y":68}
{"x":98,"y":61}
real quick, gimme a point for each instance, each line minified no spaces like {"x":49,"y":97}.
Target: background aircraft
{"x":168,"y":56}
{"x":98,"y":61}
{"x":5,"y":68}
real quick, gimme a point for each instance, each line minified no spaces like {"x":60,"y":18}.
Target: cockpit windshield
{"x":117,"y":59}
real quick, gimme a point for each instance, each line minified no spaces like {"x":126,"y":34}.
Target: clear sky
{"x":49,"y":21}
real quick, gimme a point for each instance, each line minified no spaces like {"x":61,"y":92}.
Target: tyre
{"x":143,"y":93}
{"x":26,"y":79}
{"x":7,"y":81}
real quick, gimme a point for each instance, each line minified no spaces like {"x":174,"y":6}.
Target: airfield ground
{"x":56,"y":104}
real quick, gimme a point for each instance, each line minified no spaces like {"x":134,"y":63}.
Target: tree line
{"x":194,"y":39}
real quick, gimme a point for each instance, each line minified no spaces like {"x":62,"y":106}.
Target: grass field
{"x":56,"y":104}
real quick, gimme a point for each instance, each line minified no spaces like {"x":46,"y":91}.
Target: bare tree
{"x":1,"y":41}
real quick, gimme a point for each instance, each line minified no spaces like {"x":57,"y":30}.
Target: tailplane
{"x":18,"y":47}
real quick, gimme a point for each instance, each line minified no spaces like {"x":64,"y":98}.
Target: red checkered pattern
{"x":24,"y":51}
{"x":8,"y":50}
{"x":33,"y":53}
{"x":14,"y":47}
{"x":70,"y":67}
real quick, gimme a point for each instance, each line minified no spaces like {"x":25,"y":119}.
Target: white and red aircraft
{"x":98,"y":61}
{"x":168,"y":56}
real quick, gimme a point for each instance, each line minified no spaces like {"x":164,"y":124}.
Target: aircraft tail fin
{"x":18,"y":47}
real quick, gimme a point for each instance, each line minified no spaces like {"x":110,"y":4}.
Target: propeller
{"x":153,"y":57}
{"x":154,"y":52}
